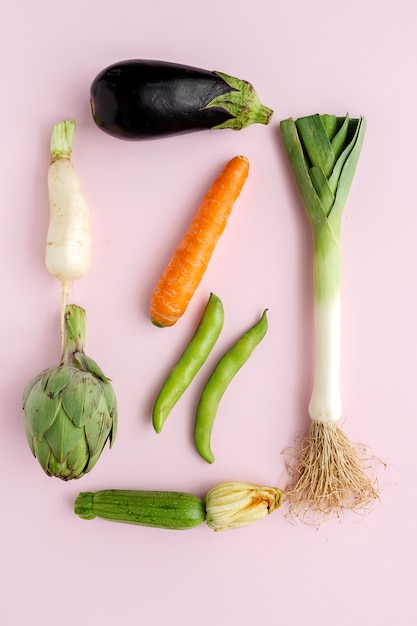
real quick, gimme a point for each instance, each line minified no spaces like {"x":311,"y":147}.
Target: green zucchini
{"x":160,"y":509}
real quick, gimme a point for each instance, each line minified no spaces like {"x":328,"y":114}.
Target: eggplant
{"x":143,"y":99}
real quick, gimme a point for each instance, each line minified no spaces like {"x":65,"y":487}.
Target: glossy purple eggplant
{"x":142,"y":99}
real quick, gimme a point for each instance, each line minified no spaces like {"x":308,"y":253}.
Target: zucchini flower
{"x":236,"y":504}
{"x":70,"y":409}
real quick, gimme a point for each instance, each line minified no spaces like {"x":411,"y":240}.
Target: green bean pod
{"x":190,"y":361}
{"x":218,"y":381}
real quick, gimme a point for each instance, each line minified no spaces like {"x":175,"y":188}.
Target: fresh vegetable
{"x":328,"y":474}
{"x":219,"y":380}
{"x":229,"y":505}
{"x":70,"y":410}
{"x":234,"y":505}
{"x":142,"y":99}
{"x":186,"y":268}
{"x":190,"y":361}
{"x":160,"y":509}
{"x":69,"y":245}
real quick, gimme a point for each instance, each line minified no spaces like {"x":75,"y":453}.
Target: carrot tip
{"x":158,"y":324}
{"x":166,"y":323}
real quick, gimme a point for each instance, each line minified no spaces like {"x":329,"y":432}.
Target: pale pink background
{"x":302,"y":58}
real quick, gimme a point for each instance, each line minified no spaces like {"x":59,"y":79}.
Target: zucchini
{"x":160,"y":509}
{"x":142,"y":99}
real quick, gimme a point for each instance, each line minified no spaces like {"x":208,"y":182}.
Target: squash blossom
{"x":237,"y":504}
{"x":70,"y":410}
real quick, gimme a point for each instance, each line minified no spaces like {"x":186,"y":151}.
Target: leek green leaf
{"x":323,"y":153}
{"x":316,"y":142}
{"x":338,"y":140}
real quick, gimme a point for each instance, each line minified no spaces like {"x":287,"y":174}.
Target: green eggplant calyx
{"x":242,"y":103}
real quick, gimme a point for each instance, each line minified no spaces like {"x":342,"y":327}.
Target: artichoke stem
{"x":74,"y":333}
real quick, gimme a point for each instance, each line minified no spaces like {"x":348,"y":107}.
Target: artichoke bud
{"x":70,"y":410}
{"x":237,"y":504}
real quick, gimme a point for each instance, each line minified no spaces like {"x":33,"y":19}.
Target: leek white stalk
{"x":328,"y":475}
{"x":325,"y":403}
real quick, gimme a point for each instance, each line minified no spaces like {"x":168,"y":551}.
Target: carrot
{"x":186,"y":268}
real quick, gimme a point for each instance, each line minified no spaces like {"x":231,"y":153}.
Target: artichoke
{"x":70,"y":410}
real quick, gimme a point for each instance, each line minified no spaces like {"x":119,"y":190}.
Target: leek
{"x":328,"y":474}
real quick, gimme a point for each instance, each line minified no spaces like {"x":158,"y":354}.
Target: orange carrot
{"x":186,"y":268}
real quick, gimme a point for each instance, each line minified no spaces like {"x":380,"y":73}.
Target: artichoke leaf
{"x":63,"y":437}
{"x":30,"y":439}
{"x":89,"y":365}
{"x":81,"y":397}
{"x":57,"y":378}
{"x":98,"y":428}
{"x":42,"y":452}
{"x":40,"y":410}
{"x":112,"y":409}
{"x":77,"y":460}
{"x":53,"y":468}
{"x":93,"y":458}
{"x":30,"y":385}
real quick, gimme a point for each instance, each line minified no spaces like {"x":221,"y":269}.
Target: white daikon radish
{"x":69,"y":245}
